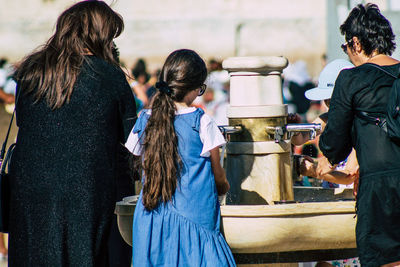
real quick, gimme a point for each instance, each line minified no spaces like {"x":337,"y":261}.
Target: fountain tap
{"x":226,"y":129}
{"x":312,"y":128}
{"x":280,"y":131}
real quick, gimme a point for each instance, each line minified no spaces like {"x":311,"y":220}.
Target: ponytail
{"x":162,"y":161}
{"x":183,"y":71}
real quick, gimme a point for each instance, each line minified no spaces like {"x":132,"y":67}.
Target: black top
{"x":64,"y":171}
{"x":363,"y":88}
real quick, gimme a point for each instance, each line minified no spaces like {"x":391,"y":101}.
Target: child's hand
{"x":221,"y":182}
{"x":324,"y":167}
{"x":223,"y":188}
{"x":355,"y":187}
{"x":293,"y":118}
{"x":308,"y":166}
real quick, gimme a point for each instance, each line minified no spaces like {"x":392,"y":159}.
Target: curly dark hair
{"x":372,"y":29}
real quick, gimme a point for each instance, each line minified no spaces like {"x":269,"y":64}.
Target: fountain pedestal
{"x":256,"y":166}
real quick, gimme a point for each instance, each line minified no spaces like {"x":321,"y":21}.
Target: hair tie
{"x":163,"y":87}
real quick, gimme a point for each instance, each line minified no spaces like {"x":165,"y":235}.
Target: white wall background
{"x":154,"y":28}
{"x":296,"y":29}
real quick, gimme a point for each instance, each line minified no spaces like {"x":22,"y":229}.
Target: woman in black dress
{"x":74,"y":110}
{"x":369,"y":44}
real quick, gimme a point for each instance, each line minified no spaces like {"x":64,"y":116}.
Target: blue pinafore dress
{"x":186,"y":230}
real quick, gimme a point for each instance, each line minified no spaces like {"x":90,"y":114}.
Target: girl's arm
{"x":346,"y":176}
{"x":338,"y":177}
{"x":352,"y":166}
{"x":219,"y":174}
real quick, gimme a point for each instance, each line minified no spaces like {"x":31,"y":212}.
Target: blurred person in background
{"x":151,"y":83}
{"x":346,"y":171}
{"x":5,"y":74}
{"x":215,"y":109}
{"x":74,"y":110}
{"x":216,"y":79}
{"x":296,"y":81}
{"x":4,"y":122}
{"x":216,"y":98}
{"x":10,"y":88}
{"x":4,"y":70}
{"x":140,"y":83}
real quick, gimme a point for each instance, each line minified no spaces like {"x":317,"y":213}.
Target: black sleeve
{"x":127,"y":107}
{"x":335,"y":141}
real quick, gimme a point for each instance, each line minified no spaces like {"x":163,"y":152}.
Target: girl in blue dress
{"x":177,"y":218}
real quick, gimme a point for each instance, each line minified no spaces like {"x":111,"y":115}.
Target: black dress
{"x":64,"y":171}
{"x":366,"y":88}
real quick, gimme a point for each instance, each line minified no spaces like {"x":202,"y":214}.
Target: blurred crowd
{"x":7,"y":85}
{"x":296,"y":80}
{"x":214,"y":101}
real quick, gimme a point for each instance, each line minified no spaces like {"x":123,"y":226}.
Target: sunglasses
{"x":345,"y":45}
{"x":203,"y":88}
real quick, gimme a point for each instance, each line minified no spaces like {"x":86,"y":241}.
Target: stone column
{"x":259,"y":170}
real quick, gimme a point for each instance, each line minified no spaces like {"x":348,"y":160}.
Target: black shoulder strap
{"x":3,"y":149}
{"x":385,"y":71}
{"x":373,"y":119}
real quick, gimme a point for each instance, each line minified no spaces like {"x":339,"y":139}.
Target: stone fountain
{"x":263,"y":221}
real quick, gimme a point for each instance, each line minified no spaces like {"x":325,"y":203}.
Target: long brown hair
{"x":183,"y":71}
{"x":87,"y":27}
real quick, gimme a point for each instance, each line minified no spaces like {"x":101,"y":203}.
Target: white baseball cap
{"x":326,"y":80}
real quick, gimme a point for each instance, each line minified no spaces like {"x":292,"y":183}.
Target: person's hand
{"x":293,"y":118}
{"x":308,"y":166}
{"x":223,"y":188}
{"x":355,"y":187}
{"x":324,"y":166}
{"x":355,"y":172}
{"x":9,"y":99}
{"x":356,"y":175}
{"x":318,"y":131}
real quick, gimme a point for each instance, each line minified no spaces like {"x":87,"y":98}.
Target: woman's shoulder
{"x":374,"y":70}
{"x":352,"y":78}
{"x":100,"y":66}
{"x":364,"y":75}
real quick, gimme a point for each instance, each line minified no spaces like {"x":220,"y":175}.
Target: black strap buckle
{"x":379,"y":121}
